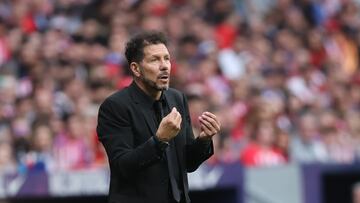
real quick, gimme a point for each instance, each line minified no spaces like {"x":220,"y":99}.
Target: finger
{"x":208,"y":126}
{"x":177,"y":118}
{"x":212,"y":121}
{"x":179,"y":122}
{"x":211,"y":115}
{"x":206,"y":130}
{"x":173,"y":113}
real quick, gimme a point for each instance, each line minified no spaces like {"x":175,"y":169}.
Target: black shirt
{"x":161,"y":109}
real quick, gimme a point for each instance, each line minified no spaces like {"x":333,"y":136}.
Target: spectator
{"x":71,"y":148}
{"x":40,"y":156}
{"x":306,"y":145}
{"x":339,"y":146}
{"x":260,"y":151}
{"x":7,"y":160}
{"x":248,"y":60}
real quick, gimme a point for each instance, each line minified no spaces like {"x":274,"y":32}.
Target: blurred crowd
{"x":282,"y":75}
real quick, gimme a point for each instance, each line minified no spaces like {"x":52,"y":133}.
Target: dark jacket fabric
{"x":126,"y":128}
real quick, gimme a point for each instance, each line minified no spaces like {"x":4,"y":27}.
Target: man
{"x":146,"y":130}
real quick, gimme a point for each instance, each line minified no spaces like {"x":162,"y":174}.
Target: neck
{"x":153,"y":93}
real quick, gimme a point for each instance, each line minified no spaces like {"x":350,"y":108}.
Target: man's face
{"x":155,"y":67}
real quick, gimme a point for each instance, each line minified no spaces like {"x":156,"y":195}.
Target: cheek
{"x":150,"y":73}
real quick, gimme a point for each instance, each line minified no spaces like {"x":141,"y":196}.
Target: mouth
{"x":164,"y":77}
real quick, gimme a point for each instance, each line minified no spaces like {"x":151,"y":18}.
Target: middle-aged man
{"x":147,"y":133}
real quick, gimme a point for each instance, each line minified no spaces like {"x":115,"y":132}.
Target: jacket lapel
{"x":143,"y":105}
{"x":149,"y":120}
{"x":171,"y":103}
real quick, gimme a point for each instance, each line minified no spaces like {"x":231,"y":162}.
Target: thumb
{"x":173,"y":112}
{"x":202,"y":134}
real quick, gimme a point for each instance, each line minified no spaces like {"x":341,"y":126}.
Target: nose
{"x":165,"y":65}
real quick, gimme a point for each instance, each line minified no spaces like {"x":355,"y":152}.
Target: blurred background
{"x":283,"y":76}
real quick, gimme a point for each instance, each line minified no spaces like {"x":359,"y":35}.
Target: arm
{"x":197,"y":150}
{"x":115,"y":132}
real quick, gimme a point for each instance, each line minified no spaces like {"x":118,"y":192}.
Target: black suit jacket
{"x":126,"y":128}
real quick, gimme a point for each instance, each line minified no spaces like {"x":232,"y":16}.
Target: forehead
{"x":155,"y":50}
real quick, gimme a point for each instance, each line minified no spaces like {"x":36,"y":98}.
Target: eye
{"x":153,"y":59}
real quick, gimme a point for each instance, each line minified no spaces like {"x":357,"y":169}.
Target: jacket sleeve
{"x":197,"y":151}
{"x":115,"y":132}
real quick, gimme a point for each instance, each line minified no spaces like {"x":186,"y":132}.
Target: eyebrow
{"x":160,"y":55}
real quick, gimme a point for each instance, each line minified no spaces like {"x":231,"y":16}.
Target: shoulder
{"x":118,"y":98}
{"x":176,"y":97}
{"x":175,"y":93}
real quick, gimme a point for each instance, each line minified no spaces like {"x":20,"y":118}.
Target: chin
{"x":163,"y":87}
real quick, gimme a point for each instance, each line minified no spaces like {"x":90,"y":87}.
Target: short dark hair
{"x":134,"y":50}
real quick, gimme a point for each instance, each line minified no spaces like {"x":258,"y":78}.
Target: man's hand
{"x":209,"y":124}
{"x":169,"y":126}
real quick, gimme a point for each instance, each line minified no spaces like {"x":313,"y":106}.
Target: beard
{"x":152,"y":84}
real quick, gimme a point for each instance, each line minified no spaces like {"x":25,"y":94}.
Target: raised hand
{"x":209,"y":124}
{"x":169,"y":126}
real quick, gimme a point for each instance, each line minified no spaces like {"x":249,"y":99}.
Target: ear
{"x":135,"y":68}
